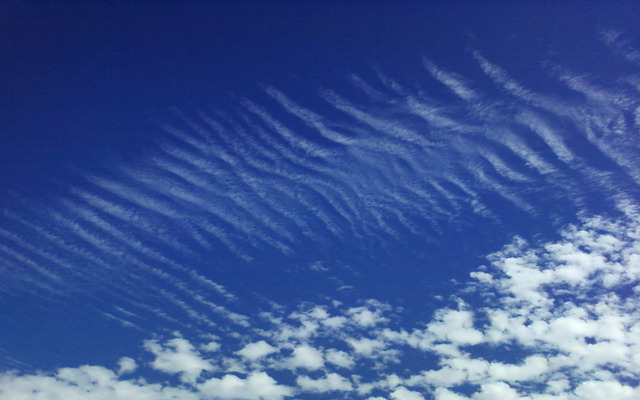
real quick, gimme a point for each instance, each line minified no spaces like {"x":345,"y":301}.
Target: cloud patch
{"x":568,"y":339}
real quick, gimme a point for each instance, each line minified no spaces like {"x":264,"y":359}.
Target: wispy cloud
{"x":295,"y":178}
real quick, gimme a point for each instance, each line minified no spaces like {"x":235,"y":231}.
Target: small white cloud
{"x":340,"y":358}
{"x":365,"y":317}
{"x":330,"y":383}
{"x":533,"y":368}
{"x":307,"y":357}
{"x":403,"y":393}
{"x":179,"y":356}
{"x":319,"y":313}
{"x":481,"y":276}
{"x":86,"y":383}
{"x":496,"y":390}
{"x":210,"y":347}
{"x":608,"y":390}
{"x":558,"y":386}
{"x":254,"y":351}
{"x":256,"y":386}
{"x":126,"y":365}
{"x":365,"y":346}
{"x":87,"y":375}
{"x":456,"y":327}
{"x":446,"y":376}
{"x":335,"y":322}
{"x":446,"y":394}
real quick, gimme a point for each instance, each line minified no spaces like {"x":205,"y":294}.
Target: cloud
{"x":402,"y":393}
{"x":127,"y":365}
{"x":329,"y":383}
{"x":544,"y":320}
{"x":496,"y":390}
{"x":298,"y":175}
{"x":254,"y":351}
{"x":340,"y":358}
{"x":367,"y":317}
{"x":85,"y":383}
{"x":306,"y":357}
{"x":455,"y":327}
{"x":598,"y":390}
{"x":256,"y":386}
{"x":178,"y":356}
{"x":535,"y":333}
{"x":366,"y":347}
{"x":531,"y":369}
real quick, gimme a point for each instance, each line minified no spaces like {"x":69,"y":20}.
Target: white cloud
{"x":608,"y":390}
{"x":254,"y":351}
{"x":445,"y":394}
{"x":331,"y":382}
{"x":335,"y":322}
{"x":402,"y":393}
{"x":256,"y":386}
{"x":210,"y":347}
{"x":179,"y":356}
{"x":455,"y":327}
{"x":533,"y":368}
{"x":85,"y":383}
{"x":307,"y":357}
{"x":496,"y":390}
{"x":444,"y":377}
{"x":340,"y":358}
{"x":366,"y":347}
{"x":127,"y":365}
{"x":566,"y":339}
{"x":368,"y":316}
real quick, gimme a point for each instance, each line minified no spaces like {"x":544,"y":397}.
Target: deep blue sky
{"x":84,"y":78}
{"x":229,"y":172}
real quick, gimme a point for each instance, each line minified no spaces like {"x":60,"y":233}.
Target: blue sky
{"x":311,"y":200}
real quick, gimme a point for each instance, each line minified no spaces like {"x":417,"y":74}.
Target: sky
{"x":319,"y":200}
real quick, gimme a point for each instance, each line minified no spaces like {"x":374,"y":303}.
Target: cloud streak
{"x":280,"y":177}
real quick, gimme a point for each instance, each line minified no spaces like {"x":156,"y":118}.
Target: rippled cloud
{"x":162,"y":244}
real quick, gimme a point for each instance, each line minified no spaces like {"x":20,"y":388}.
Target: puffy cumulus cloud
{"x":567,"y":307}
{"x":403,"y":393}
{"x":585,"y":324}
{"x":455,"y":371}
{"x":210,"y":347}
{"x":552,"y":321}
{"x":178,"y":356}
{"x":366,"y":346}
{"x":254,"y":351}
{"x":85,"y":383}
{"x":531,"y":369}
{"x":597,"y":390}
{"x":127,"y":365}
{"x":256,"y":386}
{"x":368,"y":315}
{"x":306,"y":357}
{"x":331,"y":382}
{"x":340,"y":358}
{"x":455,"y":327}
{"x":445,"y":394}
{"x":496,"y":390}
